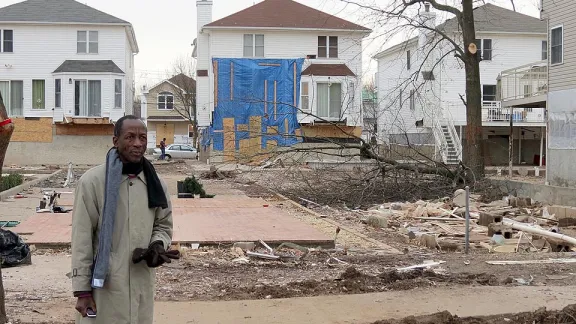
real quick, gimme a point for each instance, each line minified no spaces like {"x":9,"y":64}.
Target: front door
{"x":164,"y":131}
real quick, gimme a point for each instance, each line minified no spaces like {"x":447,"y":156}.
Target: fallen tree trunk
{"x":6,"y":130}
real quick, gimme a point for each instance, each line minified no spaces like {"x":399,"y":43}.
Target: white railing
{"x":440,"y":140}
{"x":492,"y":111}
{"x":453,"y":134}
{"x":525,"y":81}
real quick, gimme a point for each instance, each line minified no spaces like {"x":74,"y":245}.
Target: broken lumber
{"x":546,"y":261}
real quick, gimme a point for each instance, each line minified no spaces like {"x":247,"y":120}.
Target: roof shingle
{"x":56,"y":11}
{"x":89,"y":66}
{"x":285,"y":14}
{"x":328,"y":70}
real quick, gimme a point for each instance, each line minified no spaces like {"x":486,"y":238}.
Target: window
{"x":412,"y":99}
{"x":253,"y":45}
{"x":87,"y":42}
{"x":408,"y":60}
{"x":328,"y":46}
{"x":556,"y":46}
{"x":304,"y":96}
{"x":88,"y":98}
{"x":400,"y":99}
{"x":329,"y":100}
{"x":13,"y":95}
{"x":544,"y":50}
{"x":117,"y":93}
{"x":58,"y":93}
{"x":489,"y":92}
{"x":7,"y":41}
{"x":191,"y":131}
{"x":527,"y":90}
{"x":38,"y":94}
{"x":484,"y":49}
{"x":165,"y":101}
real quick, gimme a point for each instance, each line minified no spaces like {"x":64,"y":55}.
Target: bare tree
{"x":403,"y":16}
{"x":185,"y":92}
{"x":6,"y":130}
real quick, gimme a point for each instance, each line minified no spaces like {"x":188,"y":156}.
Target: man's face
{"x":131,"y":143}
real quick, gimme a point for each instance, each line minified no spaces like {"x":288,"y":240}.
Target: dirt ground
{"x":221,"y":282}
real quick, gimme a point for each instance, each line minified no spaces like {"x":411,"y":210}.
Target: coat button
{"x":131,"y":183}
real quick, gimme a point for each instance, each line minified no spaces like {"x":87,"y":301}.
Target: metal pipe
{"x":529,"y":229}
{"x":542,"y":132}
{"x":467,"y":219}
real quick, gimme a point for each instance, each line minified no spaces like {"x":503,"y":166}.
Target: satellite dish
{"x":472,"y":48}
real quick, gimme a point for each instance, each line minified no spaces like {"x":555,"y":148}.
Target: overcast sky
{"x":165,"y":29}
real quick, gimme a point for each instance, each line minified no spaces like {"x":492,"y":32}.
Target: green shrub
{"x":193,"y":186}
{"x":10,"y":181}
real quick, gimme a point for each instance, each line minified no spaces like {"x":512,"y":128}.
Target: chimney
{"x":204,"y":16}
{"x":428,"y":19}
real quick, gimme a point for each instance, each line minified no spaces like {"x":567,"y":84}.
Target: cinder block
{"x":499,"y":228}
{"x":487,"y":219}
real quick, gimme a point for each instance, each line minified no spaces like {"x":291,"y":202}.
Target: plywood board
{"x":331,"y":131}
{"x":273,"y":130}
{"x":255,"y":134}
{"x":164,"y":131}
{"x":244,"y":149}
{"x":229,"y":139}
{"x":242,"y":127}
{"x":85,"y":130}
{"x":32,"y":130}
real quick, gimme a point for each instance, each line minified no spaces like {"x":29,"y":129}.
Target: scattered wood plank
{"x":545,"y":261}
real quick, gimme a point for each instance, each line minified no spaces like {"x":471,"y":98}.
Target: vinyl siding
{"x":39,"y":50}
{"x":152,"y":100}
{"x":290,"y":45}
{"x":509,"y":51}
{"x":562,"y":13}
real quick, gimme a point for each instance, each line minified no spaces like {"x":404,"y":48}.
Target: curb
{"x":344,"y":228}
{"x":26,"y":185}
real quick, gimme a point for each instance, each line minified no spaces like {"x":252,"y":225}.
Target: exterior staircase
{"x":452,"y":156}
{"x":448,"y":143}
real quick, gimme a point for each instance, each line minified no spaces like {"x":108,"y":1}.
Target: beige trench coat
{"x":128,"y":293}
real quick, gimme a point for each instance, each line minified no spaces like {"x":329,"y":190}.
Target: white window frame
{"x":481,"y":48}
{"x":328,"y":47}
{"x":165,"y":94}
{"x":43,"y":95}
{"x":2,"y":49}
{"x":88,"y":41}
{"x":305,"y":96}
{"x":116,"y":94}
{"x":544,"y":50}
{"x":57,"y":93}
{"x":253,"y":46}
{"x":329,"y":101}
{"x":550,"y":53}
{"x":408,"y":60}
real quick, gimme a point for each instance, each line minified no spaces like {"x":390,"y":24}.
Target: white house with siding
{"x":421,"y":90}
{"x":66,"y":69}
{"x":284,"y":29}
{"x":561,"y":83}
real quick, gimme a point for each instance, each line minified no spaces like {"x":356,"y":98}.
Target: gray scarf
{"x":111,"y":189}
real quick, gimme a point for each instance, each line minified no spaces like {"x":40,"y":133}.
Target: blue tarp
{"x":241,"y":95}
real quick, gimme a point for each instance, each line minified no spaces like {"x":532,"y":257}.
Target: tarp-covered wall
{"x":255,"y":106}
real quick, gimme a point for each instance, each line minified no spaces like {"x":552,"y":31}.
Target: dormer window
{"x":87,"y":42}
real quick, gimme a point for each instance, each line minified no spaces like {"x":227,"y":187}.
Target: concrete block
{"x":377,"y":221}
{"x":487,"y":219}
{"x":499,"y":228}
{"x":520,"y":202}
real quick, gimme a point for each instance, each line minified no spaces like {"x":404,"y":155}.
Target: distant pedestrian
{"x":163,"y":148}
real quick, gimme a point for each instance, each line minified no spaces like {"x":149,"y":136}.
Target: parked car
{"x":177,"y":151}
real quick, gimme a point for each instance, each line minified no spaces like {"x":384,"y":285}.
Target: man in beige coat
{"x":137,"y":232}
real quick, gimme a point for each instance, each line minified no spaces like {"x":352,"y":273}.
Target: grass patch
{"x":11,"y":181}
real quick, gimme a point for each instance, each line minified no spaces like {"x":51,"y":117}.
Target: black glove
{"x":155,"y":255}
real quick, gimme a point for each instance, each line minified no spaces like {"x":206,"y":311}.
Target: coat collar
{"x":140,"y":176}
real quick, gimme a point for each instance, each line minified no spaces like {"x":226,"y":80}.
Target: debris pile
{"x":214,"y":173}
{"x":512,"y":224}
